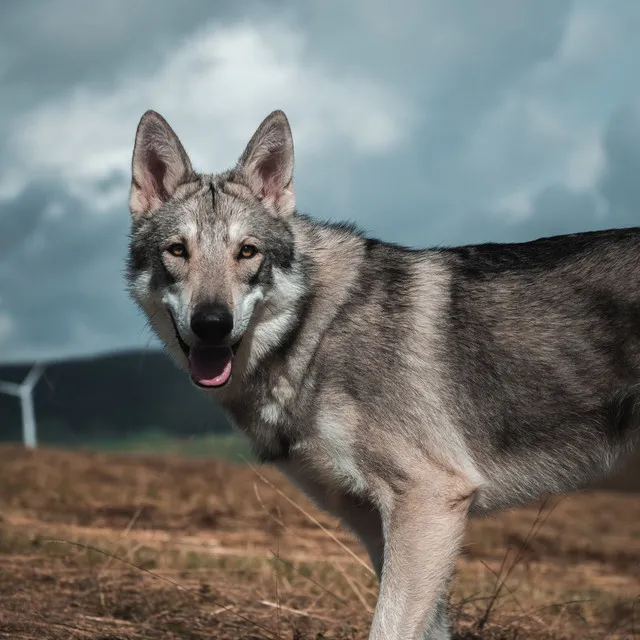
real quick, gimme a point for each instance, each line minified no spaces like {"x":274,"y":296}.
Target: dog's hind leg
{"x":358,"y":515}
{"x":363,"y":519}
{"x":423,"y":530}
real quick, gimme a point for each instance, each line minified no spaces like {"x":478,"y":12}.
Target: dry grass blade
{"x":355,"y":590}
{"x":532,"y":612}
{"x":125,"y":533}
{"x":217,"y":612}
{"x":286,"y":563}
{"x":498,"y":577}
{"x":537,"y":525}
{"x":307,"y":515}
{"x":113,"y":621}
{"x":277,"y":573}
{"x":296,"y":612}
{"x":292,"y":567}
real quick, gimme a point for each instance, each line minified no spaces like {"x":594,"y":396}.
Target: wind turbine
{"x":24,"y":391}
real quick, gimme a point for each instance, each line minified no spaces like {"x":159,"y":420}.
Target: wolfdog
{"x":403,"y":389}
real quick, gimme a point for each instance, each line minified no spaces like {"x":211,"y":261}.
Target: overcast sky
{"x":425,"y":122}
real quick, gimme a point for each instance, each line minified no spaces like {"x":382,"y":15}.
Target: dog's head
{"x":212,"y":257}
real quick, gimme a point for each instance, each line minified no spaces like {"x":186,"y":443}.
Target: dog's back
{"x":543,"y":347}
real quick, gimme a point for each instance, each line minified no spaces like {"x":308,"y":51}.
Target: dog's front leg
{"x":422,"y":530}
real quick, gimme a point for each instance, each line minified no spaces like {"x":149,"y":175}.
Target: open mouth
{"x":210,"y":365}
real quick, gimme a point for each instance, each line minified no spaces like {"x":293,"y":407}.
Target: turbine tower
{"x":24,"y":391}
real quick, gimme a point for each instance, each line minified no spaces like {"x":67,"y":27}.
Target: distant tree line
{"x":111,"y":397}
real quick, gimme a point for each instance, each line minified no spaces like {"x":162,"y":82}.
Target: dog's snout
{"x":212,"y":323}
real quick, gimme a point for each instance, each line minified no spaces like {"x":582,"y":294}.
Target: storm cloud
{"x":427,"y":123}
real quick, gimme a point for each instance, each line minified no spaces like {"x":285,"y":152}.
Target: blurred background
{"x":428,"y":123}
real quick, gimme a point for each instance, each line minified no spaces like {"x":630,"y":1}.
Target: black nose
{"x":212,"y":323}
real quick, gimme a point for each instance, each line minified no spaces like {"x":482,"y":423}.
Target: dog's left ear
{"x":267,"y":164}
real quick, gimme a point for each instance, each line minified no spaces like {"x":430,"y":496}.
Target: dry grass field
{"x":117,"y":547}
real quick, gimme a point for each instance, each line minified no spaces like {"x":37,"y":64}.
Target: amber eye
{"x":178,"y":250}
{"x":248,"y":251}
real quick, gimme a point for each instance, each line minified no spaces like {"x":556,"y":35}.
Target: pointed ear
{"x":159,"y":166}
{"x":267,"y":164}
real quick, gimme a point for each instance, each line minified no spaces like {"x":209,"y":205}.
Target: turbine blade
{"x":33,"y":376}
{"x":9,"y":387}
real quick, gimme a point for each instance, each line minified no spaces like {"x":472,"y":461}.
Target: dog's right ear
{"x":159,"y":166}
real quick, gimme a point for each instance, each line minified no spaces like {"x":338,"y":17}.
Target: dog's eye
{"x":178,"y":250}
{"x":248,"y":251}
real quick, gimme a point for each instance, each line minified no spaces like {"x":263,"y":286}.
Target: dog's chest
{"x":322,"y":436}
{"x":277,"y":403}
{"x":265,"y":413}
{"x":332,"y":450}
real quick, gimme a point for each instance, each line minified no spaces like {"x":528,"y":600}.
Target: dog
{"x":404,"y":390}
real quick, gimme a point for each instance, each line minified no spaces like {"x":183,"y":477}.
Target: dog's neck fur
{"x":269,"y":396}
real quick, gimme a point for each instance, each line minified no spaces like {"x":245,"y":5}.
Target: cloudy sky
{"x":425,"y":122}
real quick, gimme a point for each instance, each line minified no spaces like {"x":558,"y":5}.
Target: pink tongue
{"x":210,"y":366}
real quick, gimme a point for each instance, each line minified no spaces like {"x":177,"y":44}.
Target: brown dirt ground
{"x":202,"y":549}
